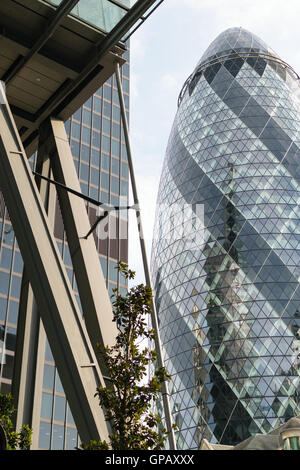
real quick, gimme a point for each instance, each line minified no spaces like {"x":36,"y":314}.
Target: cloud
{"x":168,"y":82}
{"x":137,"y":49}
{"x":134,"y":85}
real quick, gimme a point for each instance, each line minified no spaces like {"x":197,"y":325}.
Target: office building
{"x":227,"y":291}
{"x":100,"y":159}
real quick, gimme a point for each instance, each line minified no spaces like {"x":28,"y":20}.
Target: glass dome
{"x":235,"y":40}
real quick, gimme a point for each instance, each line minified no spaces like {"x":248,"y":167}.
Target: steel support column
{"x":25,"y":360}
{"x":31,"y":337}
{"x":165,"y":393}
{"x":65,"y":329}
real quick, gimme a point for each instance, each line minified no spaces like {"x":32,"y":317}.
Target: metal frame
{"x":103,"y":47}
{"x":142,"y":20}
{"x":233,"y":56}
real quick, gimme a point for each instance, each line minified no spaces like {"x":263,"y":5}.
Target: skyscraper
{"x":228,"y":304}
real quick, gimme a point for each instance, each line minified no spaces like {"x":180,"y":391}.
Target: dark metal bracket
{"x":107,"y":208}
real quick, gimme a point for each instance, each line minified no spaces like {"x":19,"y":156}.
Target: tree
{"x":128,"y":402}
{"x":15,"y":440}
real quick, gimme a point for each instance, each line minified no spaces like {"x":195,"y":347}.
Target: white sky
{"x":164,"y":52}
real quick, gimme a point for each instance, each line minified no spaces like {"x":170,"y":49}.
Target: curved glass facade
{"x":229,"y":304}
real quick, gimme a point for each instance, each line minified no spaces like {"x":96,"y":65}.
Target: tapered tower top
{"x":235,"y":40}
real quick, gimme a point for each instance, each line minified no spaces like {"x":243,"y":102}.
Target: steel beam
{"x":31,"y":340}
{"x":64,"y":326}
{"x":61,"y":12}
{"x":25,"y":362}
{"x":165,"y":393}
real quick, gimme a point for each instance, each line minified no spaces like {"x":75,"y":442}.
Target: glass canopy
{"x":104,"y":14}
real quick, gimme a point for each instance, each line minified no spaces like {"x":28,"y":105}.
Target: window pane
{"x":106,"y":143}
{"x":107,"y":92}
{"x":103,"y":262}
{"x":95,"y":158}
{"x":58,"y":384}
{"x":48,"y":353}
{"x":87,"y":117}
{"x":104,"y":197}
{"x":13,"y":310}
{"x":85,"y":153}
{"x":15,"y":286}
{"x":97,"y":122}
{"x":7,"y":370}
{"x":94,"y":193}
{"x":71,"y":438}
{"x":48,"y":380}
{"x":76,"y":130}
{"x":70,"y":418}
{"x":3,"y":303}
{"x":46,"y":407}
{"x":115,"y":130}
{"x":86,"y":134}
{"x":75,"y":148}
{"x":58,"y":437}
{"x":18,"y":262}
{"x":106,"y":126}
{"x":84,"y":172}
{"x":11,"y":335}
{"x":124,"y":188}
{"x":8,"y":234}
{"x":115,"y":185}
{"x":5,"y":258}
{"x":115,"y":148}
{"x":104,"y":181}
{"x":44,"y":435}
{"x":4,"y":282}
{"x":97,"y":104}
{"x":125,"y":170}
{"x":294,"y":443}
{"x":106,"y":108}
{"x":77,"y":115}
{"x":113,"y":272}
{"x":94,"y":176}
{"x":105,"y":162}
{"x":96,"y":139}
{"x":59,"y":408}
{"x":115,"y":166}
{"x":116,"y":113}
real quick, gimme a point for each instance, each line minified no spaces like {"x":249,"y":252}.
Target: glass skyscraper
{"x":98,"y":147}
{"x":229,"y":303}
